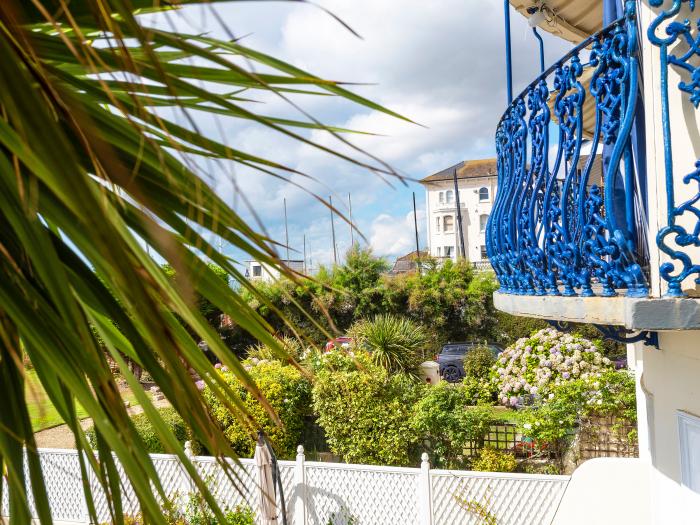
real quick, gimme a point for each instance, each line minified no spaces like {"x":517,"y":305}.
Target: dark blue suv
{"x":451,"y":359}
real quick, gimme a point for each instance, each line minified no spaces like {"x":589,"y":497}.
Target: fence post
{"x":425,"y":495}
{"x":299,"y":493}
{"x":187,"y":483}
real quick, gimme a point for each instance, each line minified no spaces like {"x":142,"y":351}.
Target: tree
{"x":453,"y":300}
{"x":93,"y":170}
{"x":360,"y":277}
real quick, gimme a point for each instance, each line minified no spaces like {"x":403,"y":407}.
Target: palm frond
{"x":91,"y":171}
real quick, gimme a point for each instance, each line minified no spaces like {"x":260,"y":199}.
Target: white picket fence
{"x":322,"y":493}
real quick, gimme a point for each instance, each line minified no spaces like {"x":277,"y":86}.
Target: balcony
{"x":587,"y":226}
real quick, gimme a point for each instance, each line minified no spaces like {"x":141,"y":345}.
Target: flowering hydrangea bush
{"x":532,"y":366}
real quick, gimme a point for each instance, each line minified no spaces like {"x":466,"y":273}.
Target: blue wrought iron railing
{"x":569,"y":216}
{"x":678,"y":40}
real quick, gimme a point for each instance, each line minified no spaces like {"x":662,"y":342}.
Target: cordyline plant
{"x":90,"y":172}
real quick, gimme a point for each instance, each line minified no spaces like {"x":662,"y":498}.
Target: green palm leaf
{"x":90,"y":169}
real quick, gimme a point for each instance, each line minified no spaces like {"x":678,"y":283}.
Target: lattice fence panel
{"x":287,"y":475}
{"x":130,"y":504}
{"x":512,"y":499}
{"x":239,"y":487}
{"x":232,"y":488}
{"x":64,"y":487}
{"x":370,"y":495}
{"x":170,"y":473}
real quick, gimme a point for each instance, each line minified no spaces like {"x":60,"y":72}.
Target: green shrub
{"x":364,"y":410}
{"x":493,"y":460}
{"x":479,"y":391}
{"x":553,"y":418}
{"x":478,"y":362}
{"x":197,"y":512}
{"x":451,"y":301}
{"x":444,"y":419}
{"x":287,"y":391}
{"x":395,"y":343}
{"x":290,"y":345}
{"x":145,"y":429}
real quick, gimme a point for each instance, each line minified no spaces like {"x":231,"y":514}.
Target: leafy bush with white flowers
{"x":532,"y":366}
{"x":552,"y":420}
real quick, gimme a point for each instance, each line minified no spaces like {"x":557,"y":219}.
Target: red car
{"x":339,"y":342}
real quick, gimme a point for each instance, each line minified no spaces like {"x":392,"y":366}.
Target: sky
{"x":440,"y":63}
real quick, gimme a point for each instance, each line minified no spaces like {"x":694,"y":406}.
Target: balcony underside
{"x":659,"y":314}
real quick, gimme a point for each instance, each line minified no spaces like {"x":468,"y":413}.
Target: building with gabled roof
{"x":476,"y":181}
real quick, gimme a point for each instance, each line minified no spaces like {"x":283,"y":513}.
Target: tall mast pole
{"x":415,"y":226}
{"x":304,"y":265}
{"x":509,"y":66}
{"x":459,"y":216}
{"x":335,"y":250}
{"x":352,"y":234}
{"x":286,"y":230}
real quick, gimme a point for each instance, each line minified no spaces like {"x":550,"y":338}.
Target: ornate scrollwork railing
{"x":568,"y":218}
{"x":679,"y":43}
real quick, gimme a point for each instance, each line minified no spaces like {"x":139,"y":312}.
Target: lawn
{"x":42,"y":413}
{"x":505,"y":414}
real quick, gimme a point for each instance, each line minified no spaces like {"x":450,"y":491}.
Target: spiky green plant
{"x":292,"y":351}
{"x":92,"y":171}
{"x":395,"y":343}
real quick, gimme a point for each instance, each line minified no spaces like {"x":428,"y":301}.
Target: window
{"x":439,"y":251}
{"x":689,"y":435}
{"x":448,"y":223}
{"x":454,"y":350}
{"x":257,"y":270}
{"x":483,"y":194}
{"x":483,"y":219}
{"x":448,"y":251}
{"x":449,"y":197}
{"x":441,"y":197}
{"x":484,"y":255}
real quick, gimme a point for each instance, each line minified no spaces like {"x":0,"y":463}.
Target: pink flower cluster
{"x":532,"y":365}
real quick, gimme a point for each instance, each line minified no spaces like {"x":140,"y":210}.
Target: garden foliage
{"x":447,"y":424}
{"x":286,"y":390}
{"x":478,"y":387}
{"x":394,"y":343}
{"x":147,"y":432}
{"x":553,"y":419}
{"x":532,"y":366}
{"x":493,"y":460}
{"x":451,"y":301}
{"x":365,"y":410}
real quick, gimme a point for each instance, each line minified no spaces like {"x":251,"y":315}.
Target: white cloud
{"x":439,"y":63}
{"x":394,"y":235}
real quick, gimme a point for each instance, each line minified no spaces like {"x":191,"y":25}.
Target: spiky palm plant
{"x":396,"y":343}
{"x":91,"y":172}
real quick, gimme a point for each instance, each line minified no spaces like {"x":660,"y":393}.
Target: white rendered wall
{"x":669,"y":382}
{"x":606,"y":491}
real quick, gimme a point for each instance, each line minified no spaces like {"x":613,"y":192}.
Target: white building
{"x":259,"y":271}
{"x":476,"y":180}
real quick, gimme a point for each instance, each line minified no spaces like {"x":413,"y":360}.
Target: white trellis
{"x":318,"y":493}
